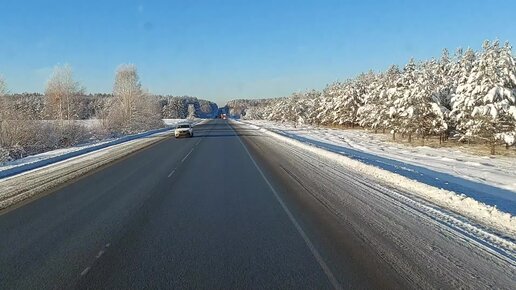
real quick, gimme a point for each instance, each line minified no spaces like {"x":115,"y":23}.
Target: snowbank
{"x":490,"y":180}
{"x":172,"y":122}
{"x":43,"y":159}
{"x":22,"y":186}
{"x":459,"y":203}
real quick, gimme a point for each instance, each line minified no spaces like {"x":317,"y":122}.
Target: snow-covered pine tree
{"x":396,"y":100}
{"x":445,"y":86}
{"x":417,"y":105}
{"x":325,"y":113}
{"x":391,"y":101}
{"x":312,"y":100}
{"x":443,"y":72}
{"x":484,"y":105}
{"x":374,"y":113}
{"x":367,"y":113}
{"x":465,"y":62}
{"x":191,"y":112}
{"x":335,"y":105}
{"x":432,"y":90}
{"x":459,"y":74}
{"x":290,"y":108}
{"x":402,"y":106}
{"x":298,"y":109}
{"x":356,"y":91}
{"x":388,"y":94}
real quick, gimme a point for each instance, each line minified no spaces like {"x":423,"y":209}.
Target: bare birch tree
{"x":132,"y":109}
{"x":15,"y":129}
{"x":3,"y":105}
{"x":61,"y":94}
{"x":4,"y":153}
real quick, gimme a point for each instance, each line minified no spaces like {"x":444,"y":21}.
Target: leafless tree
{"x":3,"y":87}
{"x":3,"y":105}
{"x":127,"y":90}
{"x":15,"y":128}
{"x":132,"y":109}
{"x":4,"y":153}
{"x":61,"y":94}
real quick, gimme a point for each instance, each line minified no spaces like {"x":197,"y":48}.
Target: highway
{"x":233,"y":209}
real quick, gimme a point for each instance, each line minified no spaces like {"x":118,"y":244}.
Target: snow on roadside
{"x":55,"y":154}
{"x":173,"y":122}
{"x":49,"y":154}
{"x":491,"y":180}
{"x":459,"y":203}
{"x":90,"y":123}
{"x":26,"y":184}
{"x":494,"y":170}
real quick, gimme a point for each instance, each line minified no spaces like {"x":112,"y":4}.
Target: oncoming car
{"x":183,"y":129}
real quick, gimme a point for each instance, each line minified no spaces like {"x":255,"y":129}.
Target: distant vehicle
{"x":223,"y":116}
{"x":183,"y":129}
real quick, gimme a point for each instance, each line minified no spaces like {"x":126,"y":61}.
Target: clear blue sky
{"x":222,"y":50}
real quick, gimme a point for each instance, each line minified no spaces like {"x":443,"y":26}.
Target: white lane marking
{"x":85,"y":271}
{"x":184,"y":158}
{"x":310,"y":245}
{"x":100,"y":254}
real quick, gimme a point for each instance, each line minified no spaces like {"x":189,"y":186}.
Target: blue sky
{"x":222,"y":50}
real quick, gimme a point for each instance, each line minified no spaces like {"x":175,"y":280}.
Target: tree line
{"x":470,"y":95}
{"x":31,"y":123}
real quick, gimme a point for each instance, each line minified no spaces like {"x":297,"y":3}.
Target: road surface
{"x":231,"y":208}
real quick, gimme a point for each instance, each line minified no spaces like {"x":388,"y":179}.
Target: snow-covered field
{"x":402,"y":187}
{"x":89,"y":123}
{"x":173,"y":122}
{"x":488,"y":179}
{"x":49,"y":154}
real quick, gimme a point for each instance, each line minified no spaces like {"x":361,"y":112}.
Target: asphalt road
{"x":220,"y":210}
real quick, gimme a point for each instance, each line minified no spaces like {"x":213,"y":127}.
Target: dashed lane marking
{"x":85,"y":271}
{"x":184,"y":158}
{"x":100,"y":254}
